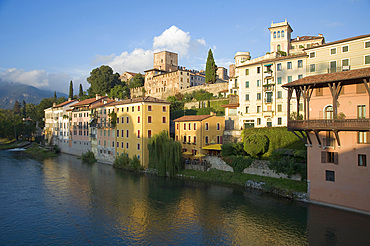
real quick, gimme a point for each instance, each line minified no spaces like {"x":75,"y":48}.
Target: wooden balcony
{"x":325,"y":124}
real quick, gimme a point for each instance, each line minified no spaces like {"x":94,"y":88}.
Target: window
{"x":367,"y":59}
{"x":189,"y":139}
{"x":127,"y":120}
{"x":177,"y":138}
{"x":274,"y":34}
{"x":258,"y":121}
{"x":258,"y":69}
{"x":138,"y":119}
{"x":247,"y":71}
{"x":333,"y":51}
{"x":333,"y":66}
{"x":345,"y":62}
{"x":177,"y":126}
{"x":282,"y":34}
{"x":247,"y":84}
{"x":149,"y":119}
{"x":279,"y":121}
{"x":149,"y":133}
{"x":278,"y":67}
{"x":247,"y":109}
{"x":329,"y":157}
{"x":247,"y":97}
{"x":206,"y":139}
{"x":361,"y":160}
{"x":218,"y":126}
{"x":361,"y":111}
{"x":149,"y":108}
{"x":329,"y":175}
{"x":138,"y":133}
{"x":290,"y":79}
{"x":138,"y":146}
{"x":280,"y":94}
{"x":195,"y":126}
{"x":127,"y":133}
{"x":258,"y":96}
{"x":300,"y":76}
{"x":289,"y":65}
{"x":300,"y":63}
{"x":189,"y":126}
{"x":258,"y":83}
{"x":123,"y":120}
{"x":279,"y":108}
{"x":363,"y":137}
{"x":117,"y":133}
{"x":122,"y":133}
{"x":122,"y":145}
{"x":279,"y":80}
{"x":184,"y":126}
{"x":312,"y":54}
{"x":195,"y":139}
{"x":164,"y":109}
{"x":117,"y":120}
{"x":312,"y":68}
{"x":367,"y":44}
{"x":127,"y":145}
{"x":206,"y":126}
{"x":163,"y":119}
{"x":278,"y":35}
{"x":345,"y":48}
{"x":259,"y":109}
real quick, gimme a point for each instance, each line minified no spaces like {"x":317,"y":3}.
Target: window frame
{"x":344,"y":47}
{"x":289,"y":65}
{"x":312,"y":55}
{"x":333,"y":49}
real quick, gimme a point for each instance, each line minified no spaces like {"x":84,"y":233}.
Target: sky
{"x":46,"y":43}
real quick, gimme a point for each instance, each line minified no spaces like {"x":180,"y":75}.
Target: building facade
{"x":337,"y":123}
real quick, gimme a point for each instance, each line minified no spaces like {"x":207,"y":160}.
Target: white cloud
{"x":173,"y":39}
{"x":136,"y":61}
{"x":201,"y":41}
{"x":38,"y":78}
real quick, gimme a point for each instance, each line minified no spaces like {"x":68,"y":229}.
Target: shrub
{"x":289,"y":162}
{"x":256,"y":145}
{"x":238,"y":163}
{"x":135,"y":164}
{"x":122,"y":161}
{"x":229,"y":149}
{"x":88,"y":157}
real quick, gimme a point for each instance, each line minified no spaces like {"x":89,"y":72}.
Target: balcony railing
{"x":327,"y":124}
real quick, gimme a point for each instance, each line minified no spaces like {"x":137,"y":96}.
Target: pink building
{"x":336,"y":120}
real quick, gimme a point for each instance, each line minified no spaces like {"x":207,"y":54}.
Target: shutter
{"x":336,"y":158}
{"x":323,"y":156}
{"x":367,"y":137}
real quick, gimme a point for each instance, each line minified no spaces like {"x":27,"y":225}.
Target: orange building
{"x":337,"y":123}
{"x":198,"y":131}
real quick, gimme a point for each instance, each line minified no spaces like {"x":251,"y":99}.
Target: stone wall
{"x":218,"y":163}
{"x":213,"y":88}
{"x":232,"y":136}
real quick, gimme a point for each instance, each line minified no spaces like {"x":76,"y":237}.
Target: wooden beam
{"x":308,"y":138}
{"x":290,"y":93}
{"x":318,"y":137}
{"x":336,"y":133}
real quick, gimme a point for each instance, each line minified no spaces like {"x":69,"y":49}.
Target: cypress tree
{"x":211,"y":69}
{"x":81,"y":92}
{"x":55,"y":95}
{"x":17,"y":107}
{"x":70,"y":90}
{"x":24,"y":109}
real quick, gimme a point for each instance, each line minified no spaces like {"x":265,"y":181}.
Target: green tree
{"x":137,"y":81}
{"x":24,"y":109}
{"x":55,"y":95}
{"x":81,"y":92}
{"x":70,"y":90}
{"x":164,"y":154}
{"x":211,"y":69}
{"x":17,"y":107}
{"x":102,"y":80}
{"x":256,"y":145}
{"x":120,"y":91}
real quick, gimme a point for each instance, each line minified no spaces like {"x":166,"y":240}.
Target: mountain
{"x":11,"y":92}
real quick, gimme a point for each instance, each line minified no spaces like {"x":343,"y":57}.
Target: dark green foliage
{"x":17,"y":107}
{"x":211,"y":69}
{"x":113,"y":118}
{"x":238,"y":163}
{"x":127,"y":163}
{"x":202,"y":95}
{"x":120,"y":91}
{"x":256,"y":145}
{"x":279,"y":138}
{"x":55,"y":95}
{"x":164,"y":154}
{"x":88,"y":157}
{"x":289,"y":162}
{"x":24,"y":105}
{"x":137,"y":81}
{"x":102,"y":80}
{"x":177,"y":106}
{"x":80,"y":92}
{"x":236,"y":149}
{"x":70,"y":95}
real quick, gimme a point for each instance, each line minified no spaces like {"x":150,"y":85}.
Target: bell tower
{"x":280,"y":36}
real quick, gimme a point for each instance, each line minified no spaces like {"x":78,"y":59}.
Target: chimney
{"x":297,"y":37}
{"x":212,"y":113}
{"x":98,"y":96}
{"x":320,"y":35}
{"x":69,"y":99}
{"x":54,"y":104}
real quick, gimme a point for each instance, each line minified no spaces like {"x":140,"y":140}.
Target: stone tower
{"x":165,"y":61}
{"x":280,"y":36}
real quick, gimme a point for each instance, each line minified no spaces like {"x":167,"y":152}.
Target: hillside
{"x":11,"y":92}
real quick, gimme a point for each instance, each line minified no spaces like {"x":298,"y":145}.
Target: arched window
{"x":278,"y":47}
{"x":278,"y":34}
{"x":274,"y":34}
{"x":328,"y":112}
{"x":282,"y":34}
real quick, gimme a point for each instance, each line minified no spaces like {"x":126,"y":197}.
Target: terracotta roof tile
{"x":140,"y":99}
{"x":331,"y":77}
{"x":193,"y":117}
{"x":340,"y":41}
{"x":231,"y":105}
{"x":64,"y":103}
{"x":102,"y":104}
{"x":305,"y":38}
{"x":87,"y":101}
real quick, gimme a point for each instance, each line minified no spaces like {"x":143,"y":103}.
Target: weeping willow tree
{"x":164,"y":154}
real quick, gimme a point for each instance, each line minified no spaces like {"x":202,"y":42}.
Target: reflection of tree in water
{"x":330,"y":236}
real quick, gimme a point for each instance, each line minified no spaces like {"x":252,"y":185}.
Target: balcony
{"x":325,"y":124}
{"x":92,"y":135}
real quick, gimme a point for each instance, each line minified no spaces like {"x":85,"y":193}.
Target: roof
{"x":87,"y":101}
{"x":331,"y":77}
{"x":103,"y":104}
{"x":231,"y":105}
{"x":193,"y":118}
{"x":305,"y":38}
{"x":139,"y":99}
{"x":340,"y":41}
{"x":274,"y":59}
{"x":64,"y":103}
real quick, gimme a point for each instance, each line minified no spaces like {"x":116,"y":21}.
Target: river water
{"x":62,"y":201}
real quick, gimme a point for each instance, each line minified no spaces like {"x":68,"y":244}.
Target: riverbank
{"x":282,"y":187}
{"x":39,"y":152}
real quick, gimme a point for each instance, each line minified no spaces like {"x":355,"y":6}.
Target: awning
{"x":199,"y":155}
{"x":267,"y":65}
{"x":187,"y":153}
{"x":213,"y":147}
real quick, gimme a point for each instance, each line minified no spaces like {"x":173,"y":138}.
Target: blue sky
{"x":48,"y":43}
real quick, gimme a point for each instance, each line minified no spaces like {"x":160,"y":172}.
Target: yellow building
{"x":139,"y":119}
{"x":198,"y":131}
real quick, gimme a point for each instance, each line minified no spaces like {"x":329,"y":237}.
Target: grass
{"x":39,"y":152}
{"x":240,"y":179}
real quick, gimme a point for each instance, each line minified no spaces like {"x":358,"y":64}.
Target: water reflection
{"x":65,"y":201}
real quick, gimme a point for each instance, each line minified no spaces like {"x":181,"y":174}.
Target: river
{"x":62,"y":201}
